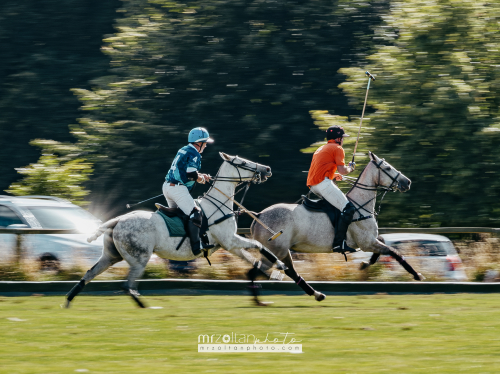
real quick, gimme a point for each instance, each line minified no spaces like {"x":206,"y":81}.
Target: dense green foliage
{"x":248,"y":71}
{"x":46,"y":47}
{"x":51,"y":177}
{"x":258,"y":75}
{"x":437,"y":109}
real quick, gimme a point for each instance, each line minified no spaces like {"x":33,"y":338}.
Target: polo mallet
{"x":370,"y":78}
{"x":140,"y":202}
{"x":275,"y":234}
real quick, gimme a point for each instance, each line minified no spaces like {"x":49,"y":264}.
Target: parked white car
{"x":50,"y":250}
{"x":432,"y":255}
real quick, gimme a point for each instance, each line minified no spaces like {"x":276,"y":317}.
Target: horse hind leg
{"x":110,"y":256}
{"x":292,"y":273}
{"x":102,"y":265}
{"x":130,"y":286}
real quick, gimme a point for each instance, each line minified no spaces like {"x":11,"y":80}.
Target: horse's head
{"x":385,"y":175}
{"x":246,"y":170}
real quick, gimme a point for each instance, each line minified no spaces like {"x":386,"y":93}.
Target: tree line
{"x":259,"y":76}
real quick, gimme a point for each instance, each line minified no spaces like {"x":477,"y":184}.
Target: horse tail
{"x":107,"y":225}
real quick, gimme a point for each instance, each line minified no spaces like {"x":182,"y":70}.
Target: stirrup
{"x":342,"y":248}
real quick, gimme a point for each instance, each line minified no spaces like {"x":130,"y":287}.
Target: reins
{"x":354,"y":182}
{"x":246,"y":181}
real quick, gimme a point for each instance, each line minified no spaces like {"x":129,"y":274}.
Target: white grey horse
{"x":134,"y":237}
{"x":311,"y":232}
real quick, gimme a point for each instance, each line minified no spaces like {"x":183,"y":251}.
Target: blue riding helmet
{"x":199,"y":134}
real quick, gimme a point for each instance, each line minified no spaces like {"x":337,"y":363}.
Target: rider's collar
{"x":195,"y":148}
{"x":333,"y":141}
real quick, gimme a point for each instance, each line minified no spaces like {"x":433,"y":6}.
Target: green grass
{"x":343,"y":334}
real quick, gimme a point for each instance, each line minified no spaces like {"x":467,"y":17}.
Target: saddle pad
{"x":175,"y":225}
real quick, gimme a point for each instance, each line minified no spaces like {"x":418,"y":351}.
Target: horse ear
{"x":225,"y":156}
{"x":372,"y":156}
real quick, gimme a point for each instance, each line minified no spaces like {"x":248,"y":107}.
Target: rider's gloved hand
{"x":352,"y":165}
{"x":202,"y":178}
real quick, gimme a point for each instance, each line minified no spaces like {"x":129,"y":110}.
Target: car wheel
{"x":49,"y":262}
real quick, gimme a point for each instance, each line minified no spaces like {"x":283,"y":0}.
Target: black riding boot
{"x":339,"y":243}
{"x":194,"y":225}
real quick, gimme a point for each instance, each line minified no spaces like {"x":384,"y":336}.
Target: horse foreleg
{"x":238,"y":245}
{"x":375,"y":256}
{"x":384,"y":249}
{"x":292,"y":273}
{"x":254,"y":287}
{"x":364,"y":265}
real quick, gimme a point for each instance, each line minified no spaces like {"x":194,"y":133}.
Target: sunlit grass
{"x":362,"y":334}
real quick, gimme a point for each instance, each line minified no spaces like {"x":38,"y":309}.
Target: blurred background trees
{"x":259,"y":76}
{"x":437,"y":109}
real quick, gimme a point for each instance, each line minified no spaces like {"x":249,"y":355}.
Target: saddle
{"x":178,"y":213}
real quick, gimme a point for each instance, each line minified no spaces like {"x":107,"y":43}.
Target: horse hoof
{"x":419,"y":277}
{"x":263,"y":303}
{"x":364,"y":265}
{"x":66,"y":305}
{"x":319,"y":296}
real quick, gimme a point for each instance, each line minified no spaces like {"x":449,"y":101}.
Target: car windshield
{"x":64,"y":218}
{"x":425,"y":247}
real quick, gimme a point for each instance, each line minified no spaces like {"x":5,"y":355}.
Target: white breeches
{"x":178,"y":196}
{"x":330,"y":192}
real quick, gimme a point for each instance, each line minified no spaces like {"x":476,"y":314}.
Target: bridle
{"x":354,"y":182}
{"x":256,"y":178}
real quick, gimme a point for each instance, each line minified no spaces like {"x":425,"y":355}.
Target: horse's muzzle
{"x":265,"y":174}
{"x":404,"y":184}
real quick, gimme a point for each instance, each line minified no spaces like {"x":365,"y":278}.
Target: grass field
{"x":343,"y":334}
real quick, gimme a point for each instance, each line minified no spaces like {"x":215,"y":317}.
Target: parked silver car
{"x":432,"y":255}
{"x":50,"y":250}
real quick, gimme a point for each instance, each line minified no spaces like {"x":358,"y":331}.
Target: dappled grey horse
{"x":311,"y":232}
{"x":134,"y":237}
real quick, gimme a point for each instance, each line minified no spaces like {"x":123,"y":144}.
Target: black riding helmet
{"x":335,"y":132}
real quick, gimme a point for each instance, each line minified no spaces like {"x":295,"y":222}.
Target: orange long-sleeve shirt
{"x":324,"y":163}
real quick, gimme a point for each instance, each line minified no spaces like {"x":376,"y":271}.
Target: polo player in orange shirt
{"x":328,"y":159}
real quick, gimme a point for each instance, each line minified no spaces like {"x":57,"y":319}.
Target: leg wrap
{"x":75,"y":290}
{"x":254,"y":288}
{"x":303,"y":284}
{"x":405,"y":265}
{"x":299,"y":281}
{"x":374,"y":258}
{"x":253,"y":273}
{"x":267,"y":254}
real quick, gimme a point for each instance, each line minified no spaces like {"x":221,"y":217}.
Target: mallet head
{"x":371,"y":76}
{"x":275,"y":235}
